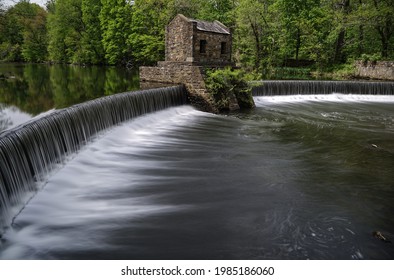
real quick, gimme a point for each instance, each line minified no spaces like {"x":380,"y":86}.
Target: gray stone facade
{"x":198,"y":42}
{"x":175,"y":73}
{"x":382,"y":70}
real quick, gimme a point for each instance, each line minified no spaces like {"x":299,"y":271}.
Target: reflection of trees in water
{"x":11,"y":116}
{"x":5,"y":121}
{"x":37,"y":88}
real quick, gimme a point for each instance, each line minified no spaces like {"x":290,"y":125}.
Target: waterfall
{"x":29,"y":152}
{"x":323,"y":87}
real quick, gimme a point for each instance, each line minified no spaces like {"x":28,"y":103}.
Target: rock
{"x":379,"y":235}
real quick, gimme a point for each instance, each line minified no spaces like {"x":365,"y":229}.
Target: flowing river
{"x":298,"y":177}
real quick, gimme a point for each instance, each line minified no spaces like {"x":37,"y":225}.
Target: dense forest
{"x":266,"y":33}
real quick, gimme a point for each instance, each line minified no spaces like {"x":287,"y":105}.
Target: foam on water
{"x":298,"y":177}
{"x":30,"y":151}
{"x":334,"y":97}
{"x":97,"y":191}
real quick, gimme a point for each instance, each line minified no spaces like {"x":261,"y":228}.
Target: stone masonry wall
{"x":183,"y":44}
{"x":180,"y":73}
{"x":382,"y":70}
{"x":176,"y":73}
{"x":179,"y":34}
{"x":213,"y":53}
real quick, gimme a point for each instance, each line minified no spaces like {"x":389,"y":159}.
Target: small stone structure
{"x":198,"y":42}
{"x":381,"y":70}
{"x":191,"y":47}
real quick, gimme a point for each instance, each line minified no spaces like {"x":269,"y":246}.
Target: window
{"x":223,"y":48}
{"x":203,"y":46}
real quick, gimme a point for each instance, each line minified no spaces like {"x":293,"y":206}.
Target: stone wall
{"x":176,"y":73}
{"x":185,"y":59}
{"x":179,"y":73}
{"x":183,"y":41}
{"x":179,"y":34}
{"x":382,"y":70}
{"x":213,"y":52}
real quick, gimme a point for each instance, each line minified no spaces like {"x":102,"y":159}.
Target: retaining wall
{"x":382,"y":70}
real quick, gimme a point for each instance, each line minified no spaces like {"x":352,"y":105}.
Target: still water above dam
{"x":298,"y":177}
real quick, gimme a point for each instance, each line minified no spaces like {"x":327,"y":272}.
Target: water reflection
{"x":11,"y":117}
{"x":37,"y":88}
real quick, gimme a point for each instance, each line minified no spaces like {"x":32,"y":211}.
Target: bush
{"x":373,"y":58}
{"x":9,"y":52}
{"x":227,"y":84}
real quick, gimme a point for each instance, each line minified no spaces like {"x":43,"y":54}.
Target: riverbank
{"x":363,"y":70}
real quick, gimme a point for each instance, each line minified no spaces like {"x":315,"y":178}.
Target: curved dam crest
{"x":29,"y":151}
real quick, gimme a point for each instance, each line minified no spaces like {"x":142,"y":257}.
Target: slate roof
{"x":216,"y":26}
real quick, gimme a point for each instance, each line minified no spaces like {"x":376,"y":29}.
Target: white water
{"x":334,"y":97}
{"x":97,"y":190}
{"x":288,"y":180}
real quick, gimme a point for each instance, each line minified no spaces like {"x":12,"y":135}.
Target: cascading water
{"x":323,"y":87}
{"x":29,"y":152}
{"x":298,"y":177}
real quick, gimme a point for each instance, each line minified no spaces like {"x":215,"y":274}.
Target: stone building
{"x":191,"y":47}
{"x":198,"y":42}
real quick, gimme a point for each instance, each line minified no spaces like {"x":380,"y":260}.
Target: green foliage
{"x":115,"y":21}
{"x":23,"y":33}
{"x":370,"y":58}
{"x":189,"y":8}
{"x":292,"y":73}
{"x":65,"y":28}
{"x":92,"y":50}
{"x":221,"y":10}
{"x":10,"y":52}
{"x":35,"y":36}
{"x":266,"y":33}
{"x":148,"y":28}
{"x":253,"y":34}
{"x":225,"y":84}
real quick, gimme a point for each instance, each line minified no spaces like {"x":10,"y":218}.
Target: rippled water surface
{"x":299,"y":177}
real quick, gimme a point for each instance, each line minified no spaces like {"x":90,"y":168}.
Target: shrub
{"x":225,"y":85}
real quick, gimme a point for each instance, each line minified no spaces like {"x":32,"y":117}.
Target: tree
{"x":92,"y":46}
{"x":23,"y":33}
{"x":344,"y":8}
{"x":254,"y":37}
{"x":302,"y":23}
{"x":65,"y":31}
{"x":115,"y":21}
{"x":148,"y":30}
{"x":34,"y":48}
{"x":221,"y":10}
{"x":380,"y":15}
{"x":189,"y":8}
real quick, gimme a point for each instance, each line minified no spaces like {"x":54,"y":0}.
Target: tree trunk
{"x":385,"y":42}
{"x":258,"y":44}
{"x":360,"y":36}
{"x":339,"y":57}
{"x":385,"y":32}
{"x":298,"y":44}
